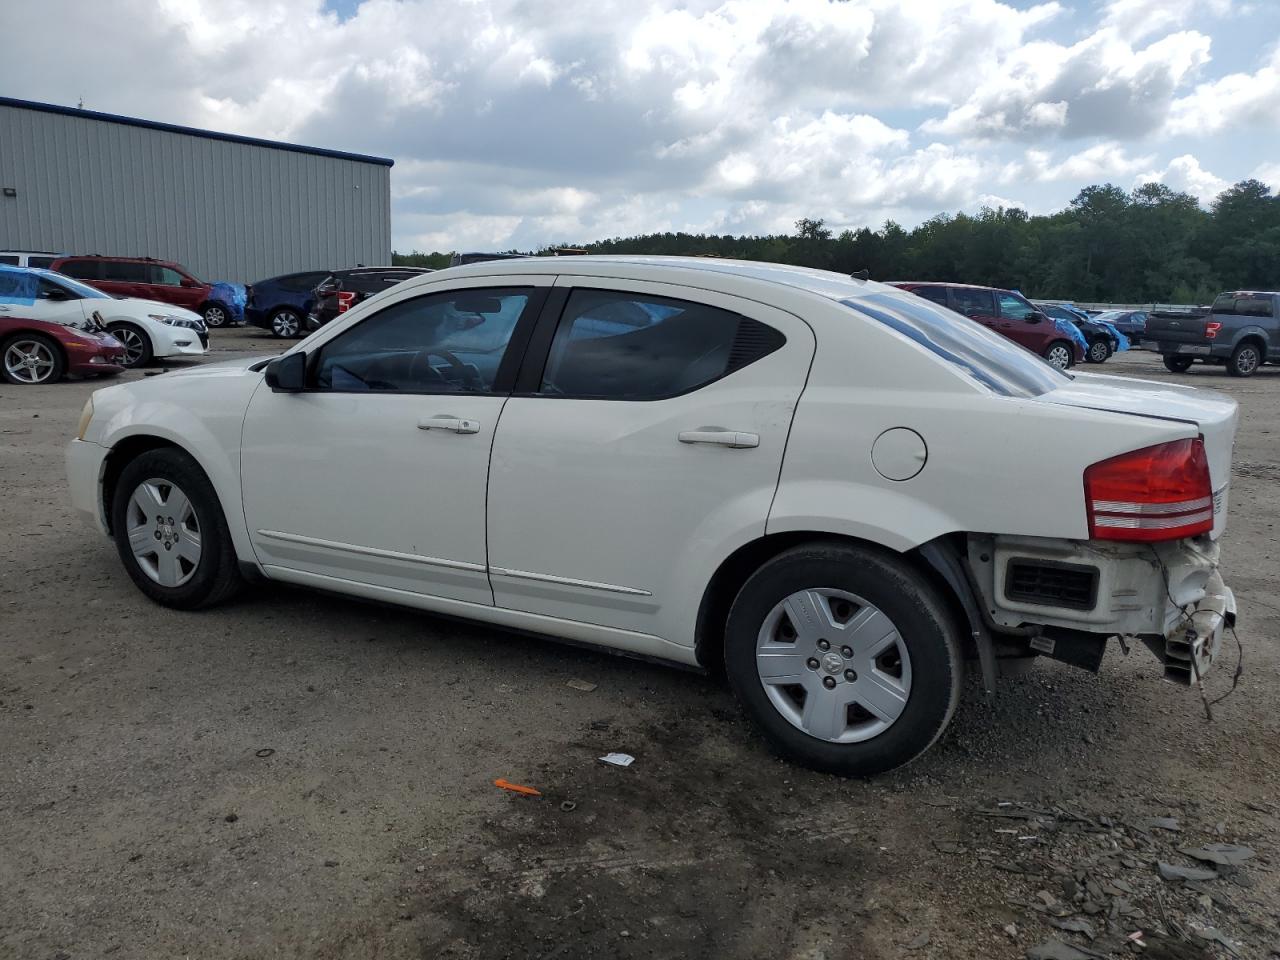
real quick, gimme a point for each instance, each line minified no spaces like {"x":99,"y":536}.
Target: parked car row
{"x":295,"y":304}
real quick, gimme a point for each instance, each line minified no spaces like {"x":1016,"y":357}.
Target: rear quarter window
{"x":82,"y":269}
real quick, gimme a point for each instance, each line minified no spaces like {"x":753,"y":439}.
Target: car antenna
{"x":863,"y":274}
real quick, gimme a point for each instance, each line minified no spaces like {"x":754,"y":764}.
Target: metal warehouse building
{"x":226,"y":207}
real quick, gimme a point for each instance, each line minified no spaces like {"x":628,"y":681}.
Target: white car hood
{"x":1215,"y":415}
{"x":146,"y":307}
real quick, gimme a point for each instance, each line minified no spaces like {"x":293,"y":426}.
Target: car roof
{"x":114,"y":259}
{"x":946,"y":283}
{"x":1250,"y":293}
{"x":824,"y":283}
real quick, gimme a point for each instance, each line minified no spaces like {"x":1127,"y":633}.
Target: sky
{"x":520,"y":123}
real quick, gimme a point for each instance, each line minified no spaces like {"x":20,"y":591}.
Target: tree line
{"x":1151,"y":244}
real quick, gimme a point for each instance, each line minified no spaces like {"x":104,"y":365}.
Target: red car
{"x":1006,"y":313}
{"x":140,"y":277}
{"x":33,"y":351}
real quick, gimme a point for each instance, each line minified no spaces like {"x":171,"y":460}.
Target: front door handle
{"x":723,"y":438}
{"x":452,"y":424}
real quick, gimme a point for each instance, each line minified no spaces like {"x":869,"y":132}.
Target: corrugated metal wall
{"x":225,"y":210}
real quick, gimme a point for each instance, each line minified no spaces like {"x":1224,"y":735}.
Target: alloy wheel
{"x":833,"y":665}
{"x":164,"y":532}
{"x":215,"y":316}
{"x":1098,"y":351}
{"x":134,"y":346}
{"x":285,"y":324}
{"x":1247,"y":360}
{"x":1059,"y":356}
{"x":29,"y":361}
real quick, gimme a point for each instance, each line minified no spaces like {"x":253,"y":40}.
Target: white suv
{"x":147,"y":328}
{"x":834,"y":489}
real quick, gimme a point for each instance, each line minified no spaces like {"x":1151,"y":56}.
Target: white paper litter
{"x":619,"y":759}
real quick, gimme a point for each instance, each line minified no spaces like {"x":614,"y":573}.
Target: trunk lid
{"x":1168,"y":327}
{"x":1215,"y":415}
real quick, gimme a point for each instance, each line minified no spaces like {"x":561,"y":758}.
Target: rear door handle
{"x":452,"y":424}
{"x":722,"y":438}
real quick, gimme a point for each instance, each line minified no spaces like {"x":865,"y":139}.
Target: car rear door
{"x":642,"y":446}
{"x":976,"y":304}
{"x":375,"y":475}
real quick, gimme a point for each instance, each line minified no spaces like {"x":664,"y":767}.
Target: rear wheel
{"x":215,"y":315}
{"x":1059,"y":354}
{"x":1245,"y":360}
{"x":286,"y":323}
{"x":137,"y":345}
{"x":1178,"y":364}
{"x":32,"y":358}
{"x":844,"y":657}
{"x":170,"y":531}
{"x":1099,"y":352}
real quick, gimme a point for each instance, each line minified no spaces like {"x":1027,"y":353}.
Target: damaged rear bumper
{"x":1067,"y":598}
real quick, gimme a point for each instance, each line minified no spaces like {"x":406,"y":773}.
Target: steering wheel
{"x":460,"y":370}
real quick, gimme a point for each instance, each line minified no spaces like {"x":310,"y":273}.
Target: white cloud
{"x":1268,"y":173}
{"x":1184,"y":173}
{"x":1236,"y":101}
{"x":519,"y":123}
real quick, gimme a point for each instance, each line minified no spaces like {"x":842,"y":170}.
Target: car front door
{"x":171,"y":286}
{"x":642,"y":446}
{"x":375,"y":473}
{"x":1022,"y":323}
{"x":56,"y":304}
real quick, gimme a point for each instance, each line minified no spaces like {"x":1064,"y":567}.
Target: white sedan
{"x":147,"y":328}
{"x":835,"y":490}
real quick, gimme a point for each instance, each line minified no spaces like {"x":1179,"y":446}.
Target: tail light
{"x":1156,"y":493}
{"x":1211,"y":329}
{"x":346,"y":300}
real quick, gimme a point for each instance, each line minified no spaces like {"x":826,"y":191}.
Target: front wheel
{"x":1245,"y":360}
{"x":286,"y":324}
{"x":215,"y":315}
{"x":1059,"y":354}
{"x":1099,"y":352}
{"x":170,"y":531}
{"x":1178,"y":364}
{"x":137,"y":345}
{"x":844,"y":657}
{"x":32,"y":358}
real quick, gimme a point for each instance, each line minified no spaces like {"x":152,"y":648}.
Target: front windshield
{"x":994,"y":361}
{"x":82,"y":290}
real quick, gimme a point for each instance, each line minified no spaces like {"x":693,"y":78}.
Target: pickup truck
{"x":1241,"y":330}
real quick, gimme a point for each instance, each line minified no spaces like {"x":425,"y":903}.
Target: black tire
{"x":216,"y":575}
{"x":1099,"y":352}
{"x":286,"y":324}
{"x":1178,"y":364}
{"x":215,"y":315}
{"x":1056,"y":350}
{"x":138,"y":349}
{"x":24,"y":341}
{"x":901,"y":594}
{"x":1245,"y":359}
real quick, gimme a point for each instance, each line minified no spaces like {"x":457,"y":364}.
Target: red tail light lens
{"x":1211,"y":329}
{"x":345,"y":299}
{"x":1156,"y":493}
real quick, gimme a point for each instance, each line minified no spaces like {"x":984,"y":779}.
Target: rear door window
{"x":937,"y":294}
{"x":615,"y":345}
{"x":1243,"y":305}
{"x":973,"y":303}
{"x":42,"y":262}
{"x":10,"y":261}
{"x":124,"y":271}
{"x":83,"y":269}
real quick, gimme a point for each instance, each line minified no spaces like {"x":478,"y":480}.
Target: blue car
{"x":1132,"y":323}
{"x":282,"y":303}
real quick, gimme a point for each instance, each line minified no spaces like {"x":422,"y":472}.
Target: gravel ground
{"x":296,"y":775}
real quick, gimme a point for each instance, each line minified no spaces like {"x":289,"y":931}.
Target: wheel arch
{"x":123,"y":452}
{"x":734,"y":571}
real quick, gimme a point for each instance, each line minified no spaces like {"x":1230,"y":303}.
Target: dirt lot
{"x":295,"y":775}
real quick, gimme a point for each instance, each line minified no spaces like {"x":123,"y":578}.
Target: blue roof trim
{"x":190,"y":131}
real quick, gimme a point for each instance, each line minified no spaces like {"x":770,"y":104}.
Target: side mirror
{"x":58,"y":294}
{"x":288,"y":374}
{"x":1036,"y":318}
{"x":188,"y":283}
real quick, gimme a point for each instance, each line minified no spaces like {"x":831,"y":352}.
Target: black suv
{"x":341,"y":290}
{"x":1241,"y":330}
